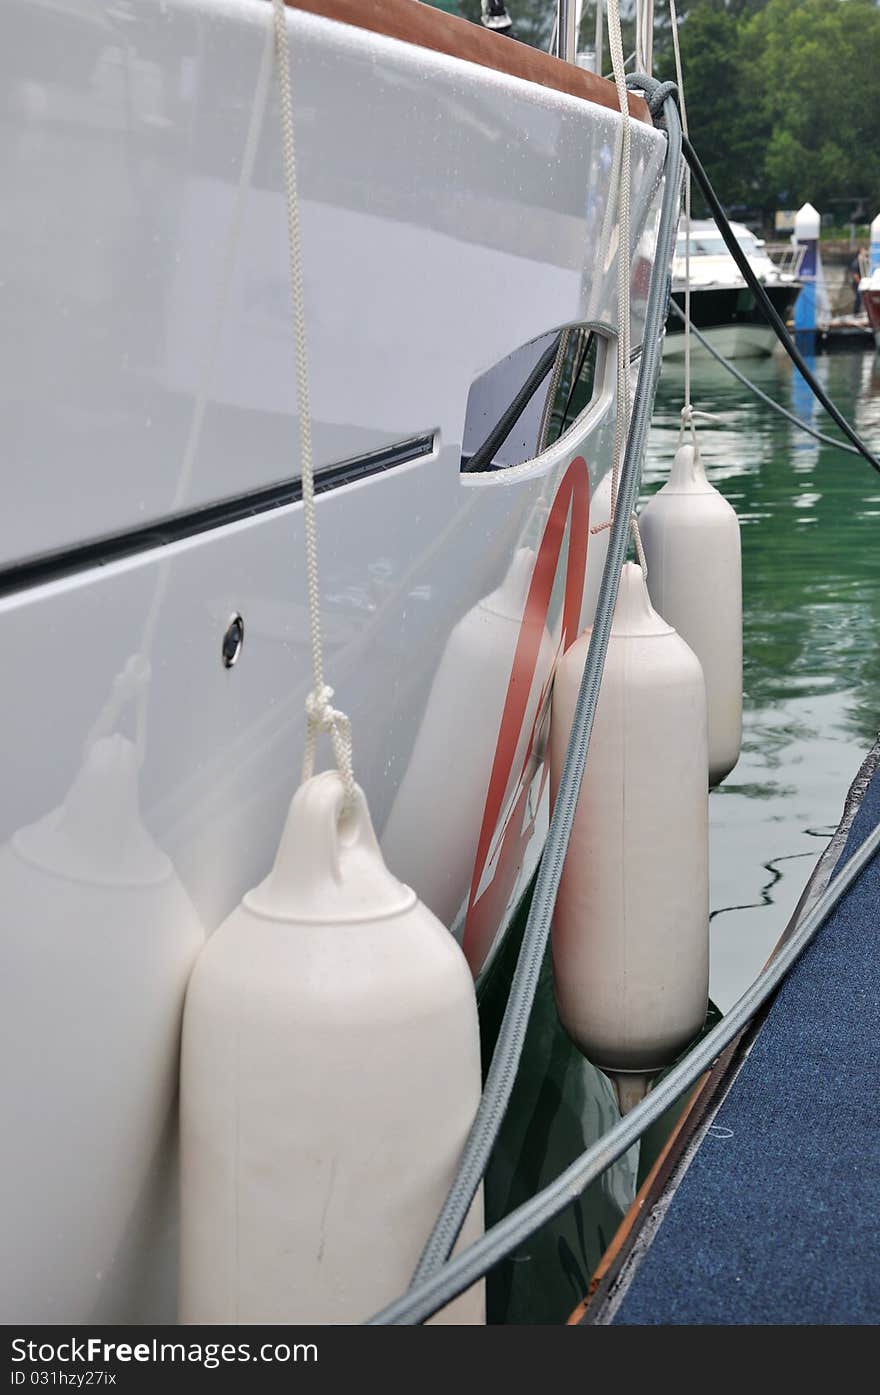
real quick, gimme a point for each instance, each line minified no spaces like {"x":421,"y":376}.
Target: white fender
{"x":691,"y":539}
{"x":330,"y":1073}
{"x":631,"y":929}
{"x":451,"y":764}
{"x":99,"y":938}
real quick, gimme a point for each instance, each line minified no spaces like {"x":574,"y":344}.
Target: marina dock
{"x":764,"y":1208}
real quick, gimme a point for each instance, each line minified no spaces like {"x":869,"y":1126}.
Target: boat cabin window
{"x":531,"y":398}
{"x":749,"y":243}
{"x":713,"y":244}
{"x":702,"y":245}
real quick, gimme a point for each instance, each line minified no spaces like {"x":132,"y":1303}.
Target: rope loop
{"x":689,"y":417}
{"x":655,"y":94}
{"x":321,"y":716}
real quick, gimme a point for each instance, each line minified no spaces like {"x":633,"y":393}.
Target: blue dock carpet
{"x":776,"y":1218}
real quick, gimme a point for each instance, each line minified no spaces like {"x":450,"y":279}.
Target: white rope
{"x":689,"y":415}
{"x":621,"y":419}
{"x":637,"y":543}
{"x":679,"y":78}
{"x":645,"y":36}
{"x":319,"y":713}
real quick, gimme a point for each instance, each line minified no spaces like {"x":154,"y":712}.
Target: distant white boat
{"x":722,"y":306}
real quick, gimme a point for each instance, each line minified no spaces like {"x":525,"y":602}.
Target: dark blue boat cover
{"x":777,"y":1219}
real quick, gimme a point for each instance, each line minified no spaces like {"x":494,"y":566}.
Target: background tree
{"x":779,"y":94}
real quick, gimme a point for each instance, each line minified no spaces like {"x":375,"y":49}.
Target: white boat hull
{"x":733,"y":341}
{"x":151,"y":443}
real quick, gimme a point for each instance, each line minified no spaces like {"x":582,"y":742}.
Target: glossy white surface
{"x":147,"y":357}
{"x":630,"y":935}
{"x":448,"y":217}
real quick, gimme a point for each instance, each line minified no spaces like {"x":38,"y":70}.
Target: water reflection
{"x":811,"y":607}
{"x":98,"y":938}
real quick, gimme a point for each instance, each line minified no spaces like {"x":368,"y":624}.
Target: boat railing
{"x":787,"y":257}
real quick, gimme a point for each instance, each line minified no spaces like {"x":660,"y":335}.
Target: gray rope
{"x":657,"y":98}
{"x":509,"y":1045}
{"x":505,"y":1237}
{"x":752,"y":387}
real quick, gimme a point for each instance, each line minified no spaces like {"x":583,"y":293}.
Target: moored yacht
{"x":721,"y":304}
{"x":459,"y":203}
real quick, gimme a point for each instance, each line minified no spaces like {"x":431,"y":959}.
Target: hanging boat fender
{"x":630,"y":935}
{"x":330,"y":1074}
{"x":691,"y":538}
{"x":451,"y":762}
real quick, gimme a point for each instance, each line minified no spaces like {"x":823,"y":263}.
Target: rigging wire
{"x":762,"y":396}
{"x":768,"y":309}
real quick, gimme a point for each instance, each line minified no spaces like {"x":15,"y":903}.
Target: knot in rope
{"x":655,"y":93}
{"x":689,"y":417}
{"x":320,"y":714}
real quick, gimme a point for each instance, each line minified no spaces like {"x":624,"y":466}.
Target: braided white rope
{"x":621,"y":419}
{"x":319,"y":713}
{"x":644,"y":36}
{"x":689,"y":417}
{"x":679,"y":78}
{"x":637,"y":544}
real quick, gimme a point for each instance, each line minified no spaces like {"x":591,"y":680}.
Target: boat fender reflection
{"x":691,"y":538}
{"x":630,"y":934}
{"x":330,"y":1073}
{"x":452,"y":758}
{"x":99,"y":938}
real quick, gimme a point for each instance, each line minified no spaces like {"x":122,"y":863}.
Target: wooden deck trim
{"x":703,"y":1097}
{"x":646,"y":1194}
{"x":415,"y":23}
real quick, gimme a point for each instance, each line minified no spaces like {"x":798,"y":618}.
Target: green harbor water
{"x":810,"y":516}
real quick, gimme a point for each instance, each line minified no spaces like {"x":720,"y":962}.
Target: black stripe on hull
{"x":37,"y":571}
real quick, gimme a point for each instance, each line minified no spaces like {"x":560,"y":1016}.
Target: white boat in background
{"x":721,"y":304}
{"x":455,"y":191}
